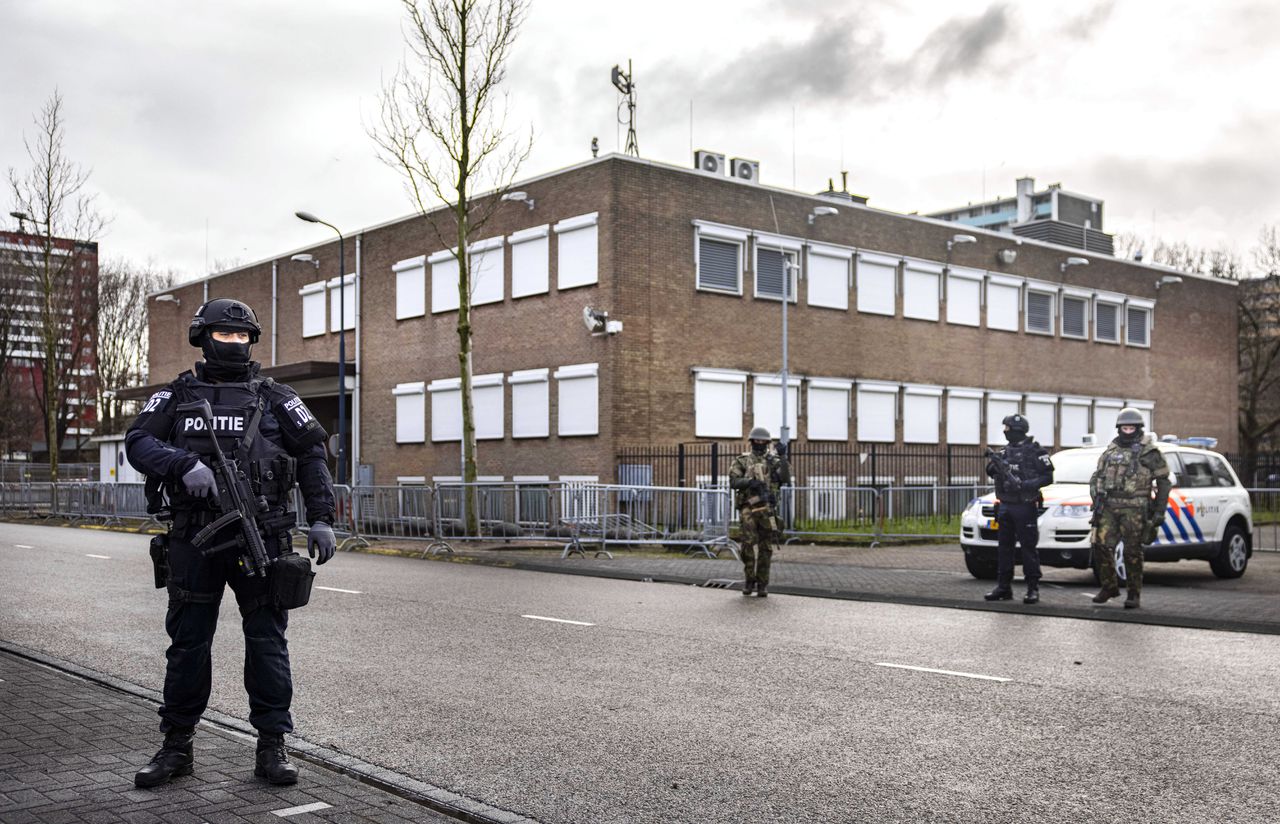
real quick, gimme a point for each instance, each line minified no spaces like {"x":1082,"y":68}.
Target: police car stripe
{"x":1177,"y":521}
{"x":1195,"y":526}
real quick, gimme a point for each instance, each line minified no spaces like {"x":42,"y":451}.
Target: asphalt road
{"x":676,"y":703}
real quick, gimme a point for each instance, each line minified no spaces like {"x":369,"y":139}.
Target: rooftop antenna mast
{"x":622,"y":82}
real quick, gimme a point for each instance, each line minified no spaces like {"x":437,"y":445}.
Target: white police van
{"x":1209,"y":516}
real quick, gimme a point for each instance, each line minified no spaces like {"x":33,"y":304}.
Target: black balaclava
{"x":225,"y":361}
{"x":1128,"y":440}
{"x":758,"y":447}
{"x":1014,"y":435}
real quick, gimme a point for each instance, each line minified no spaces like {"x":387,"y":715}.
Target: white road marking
{"x":945,"y":672}
{"x":335,"y":589}
{"x":24,"y":546}
{"x":305,"y":808}
{"x":558,"y":620}
{"x":103,"y":557}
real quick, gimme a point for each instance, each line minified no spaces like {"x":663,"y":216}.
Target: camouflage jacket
{"x":770,"y":467}
{"x":1126,"y":472}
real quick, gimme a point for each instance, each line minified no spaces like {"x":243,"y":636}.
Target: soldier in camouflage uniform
{"x":755,"y":477}
{"x":1125,"y":508}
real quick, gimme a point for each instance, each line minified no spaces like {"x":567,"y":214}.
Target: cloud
{"x":963,"y":47}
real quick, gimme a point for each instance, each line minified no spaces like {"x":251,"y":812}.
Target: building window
{"x":446,"y":409}
{"x":1074,"y":423}
{"x":578,"y":399}
{"x":444,"y":281}
{"x":1105,"y":412}
{"x":1039,"y":314}
{"x":717,"y":403}
{"x":921,"y":413}
{"x":530,"y":404}
{"x":999,"y":406}
{"x":579,"y":497}
{"x":964,"y":296}
{"x":1145,"y":409}
{"x":1137,"y":325}
{"x":877,"y":412}
{"x":775,"y":270}
{"x":829,"y":275}
{"x":719,"y":252}
{"x":411,"y":412}
{"x":485,"y":259}
{"x":344,"y":303}
{"x":411,"y":287}
{"x":1075,"y":316}
{"x":1106,"y":322}
{"x":1042,"y":415}
{"x":490,"y":411}
{"x":920,"y":290}
{"x":577,"y":251}
{"x":530,"y":262}
{"x":877,"y":284}
{"x":1003,"y":301}
{"x":312,"y":309}
{"x":828,"y":412}
{"x":766,"y":404}
{"x":964,"y":416}
{"x":826,"y":499}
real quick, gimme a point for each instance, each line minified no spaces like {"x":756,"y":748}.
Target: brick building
{"x":73,"y":269}
{"x":896,"y":335}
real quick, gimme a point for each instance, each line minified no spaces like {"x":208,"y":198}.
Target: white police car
{"x":1209,"y":516}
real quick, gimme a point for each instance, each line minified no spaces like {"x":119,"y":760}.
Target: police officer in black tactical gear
{"x":1019,"y":469}
{"x":274,"y":440}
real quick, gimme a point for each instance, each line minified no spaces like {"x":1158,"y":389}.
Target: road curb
{"x":427,"y":795}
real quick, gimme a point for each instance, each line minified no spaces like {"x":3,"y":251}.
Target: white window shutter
{"x":530,"y":404}
{"x":577,"y":252}
{"x":717,"y":402}
{"x":411,"y":287}
{"x":578,"y":399}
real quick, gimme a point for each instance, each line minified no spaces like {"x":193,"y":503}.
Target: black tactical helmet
{"x":223,"y":313}
{"x":1017,"y":423}
{"x":1129,"y":417}
{"x":758,"y":434}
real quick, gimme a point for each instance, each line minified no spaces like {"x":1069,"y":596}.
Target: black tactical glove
{"x":781,"y":449}
{"x":757,"y":488}
{"x":320,"y":539}
{"x":199,"y":481}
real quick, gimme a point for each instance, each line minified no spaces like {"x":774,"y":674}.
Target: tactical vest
{"x":760,"y":468}
{"x":246,"y":430}
{"x":1123,"y":473}
{"x":1023,"y":456}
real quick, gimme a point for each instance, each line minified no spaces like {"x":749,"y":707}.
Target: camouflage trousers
{"x":756,"y":539}
{"x":1120,"y":524}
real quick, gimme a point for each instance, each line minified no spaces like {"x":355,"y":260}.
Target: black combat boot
{"x":1131,"y":601}
{"x":273,"y":762}
{"x":748,"y":586}
{"x":1033,"y":593}
{"x":1002,"y":592}
{"x":173,"y":759}
{"x":762,"y":590}
{"x":1106,"y":594}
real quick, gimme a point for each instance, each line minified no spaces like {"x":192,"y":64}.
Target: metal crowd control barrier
{"x":506,"y":511}
{"x":829,"y":512}
{"x":1266,"y":519}
{"x":31,"y":500}
{"x":695,"y":519}
{"x":925,"y":511}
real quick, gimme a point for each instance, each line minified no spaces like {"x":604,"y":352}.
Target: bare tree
{"x":1258,"y":353}
{"x":121,"y":355}
{"x":442,"y":130}
{"x":58,"y":269}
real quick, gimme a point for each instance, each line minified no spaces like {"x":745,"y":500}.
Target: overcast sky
{"x":209,"y":124}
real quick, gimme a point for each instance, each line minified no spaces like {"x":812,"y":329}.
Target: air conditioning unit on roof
{"x":748,"y":170}
{"x":710,"y":162}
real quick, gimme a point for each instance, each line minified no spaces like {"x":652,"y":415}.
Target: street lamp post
{"x":342,"y":346}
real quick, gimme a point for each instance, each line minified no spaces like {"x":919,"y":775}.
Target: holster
{"x":160,"y":560}
{"x":291,"y":579}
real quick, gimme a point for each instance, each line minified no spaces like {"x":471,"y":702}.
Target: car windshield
{"x":1074,"y":466}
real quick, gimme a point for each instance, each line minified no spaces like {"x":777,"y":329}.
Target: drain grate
{"x":720,"y":583}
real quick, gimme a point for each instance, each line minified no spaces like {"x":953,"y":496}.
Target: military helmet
{"x":759,"y":434}
{"x":1017,"y":423}
{"x":223,"y":313}
{"x":1129,"y":417}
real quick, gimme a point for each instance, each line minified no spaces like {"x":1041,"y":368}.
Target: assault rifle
{"x":1007,"y":472}
{"x":236,"y":502}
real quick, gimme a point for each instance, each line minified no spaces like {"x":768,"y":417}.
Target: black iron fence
{"x":703,"y":463}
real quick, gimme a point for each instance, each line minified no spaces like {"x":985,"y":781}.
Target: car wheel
{"x":981,"y":568}
{"x":1232,"y":559}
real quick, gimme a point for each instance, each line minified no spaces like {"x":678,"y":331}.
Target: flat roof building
{"x":1053,"y":215}
{"x":903,"y":334}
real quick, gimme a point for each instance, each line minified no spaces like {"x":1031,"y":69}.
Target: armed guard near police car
{"x":757,"y":477}
{"x":1019,"y":469}
{"x":221,"y":448}
{"x":1130,"y":491}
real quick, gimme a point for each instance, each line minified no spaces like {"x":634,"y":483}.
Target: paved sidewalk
{"x":1184,"y":594}
{"x":69,"y":748}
